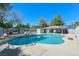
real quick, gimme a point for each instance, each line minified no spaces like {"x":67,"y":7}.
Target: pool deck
{"x":68,"y":48}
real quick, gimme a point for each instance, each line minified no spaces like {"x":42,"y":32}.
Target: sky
{"x":32,"y":12}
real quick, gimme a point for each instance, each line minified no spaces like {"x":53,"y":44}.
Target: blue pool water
{"x":44,"y":39}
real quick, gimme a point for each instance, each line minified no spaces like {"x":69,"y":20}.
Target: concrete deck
{"x":68,"y":48}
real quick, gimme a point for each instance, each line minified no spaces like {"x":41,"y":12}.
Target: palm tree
{"x":76,"y":24}
{"x":57,"y":21}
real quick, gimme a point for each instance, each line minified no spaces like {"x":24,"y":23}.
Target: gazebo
{"x":54,"y":29}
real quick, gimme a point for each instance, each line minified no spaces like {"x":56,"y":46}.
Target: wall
{"x":77,"y":32}
{"x":38,"y":31}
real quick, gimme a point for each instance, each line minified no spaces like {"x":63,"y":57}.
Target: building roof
{"x":54,"y":27}
{"x":64,"y":27}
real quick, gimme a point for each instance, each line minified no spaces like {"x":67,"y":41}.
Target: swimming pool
{"x":43,"y":39}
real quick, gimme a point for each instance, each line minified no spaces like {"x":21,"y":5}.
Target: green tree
{"x":76,"y":24}
{"x":35,"y":27}
{"x":27,"y":25}
{"x":4,"y":8}
{"x":7,"y":25}
{"x":42,"y":23}
{"x":19,"y":26}
{"x":57,"y":21}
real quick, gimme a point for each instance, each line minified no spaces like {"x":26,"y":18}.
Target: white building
{"x":53,"y":29}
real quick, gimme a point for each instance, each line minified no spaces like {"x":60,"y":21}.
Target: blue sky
{"x":32,"y":12}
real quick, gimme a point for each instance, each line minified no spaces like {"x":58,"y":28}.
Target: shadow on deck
{"x":10,"y":52}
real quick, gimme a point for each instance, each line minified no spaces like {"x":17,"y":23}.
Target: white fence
{"x":71,"y":31}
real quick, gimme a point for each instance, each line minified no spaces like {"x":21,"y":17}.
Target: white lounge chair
{"x":25,"y":32}
{"x":5,"y":34}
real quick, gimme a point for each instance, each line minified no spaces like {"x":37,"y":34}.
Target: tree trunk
{"x":2,"y":25}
